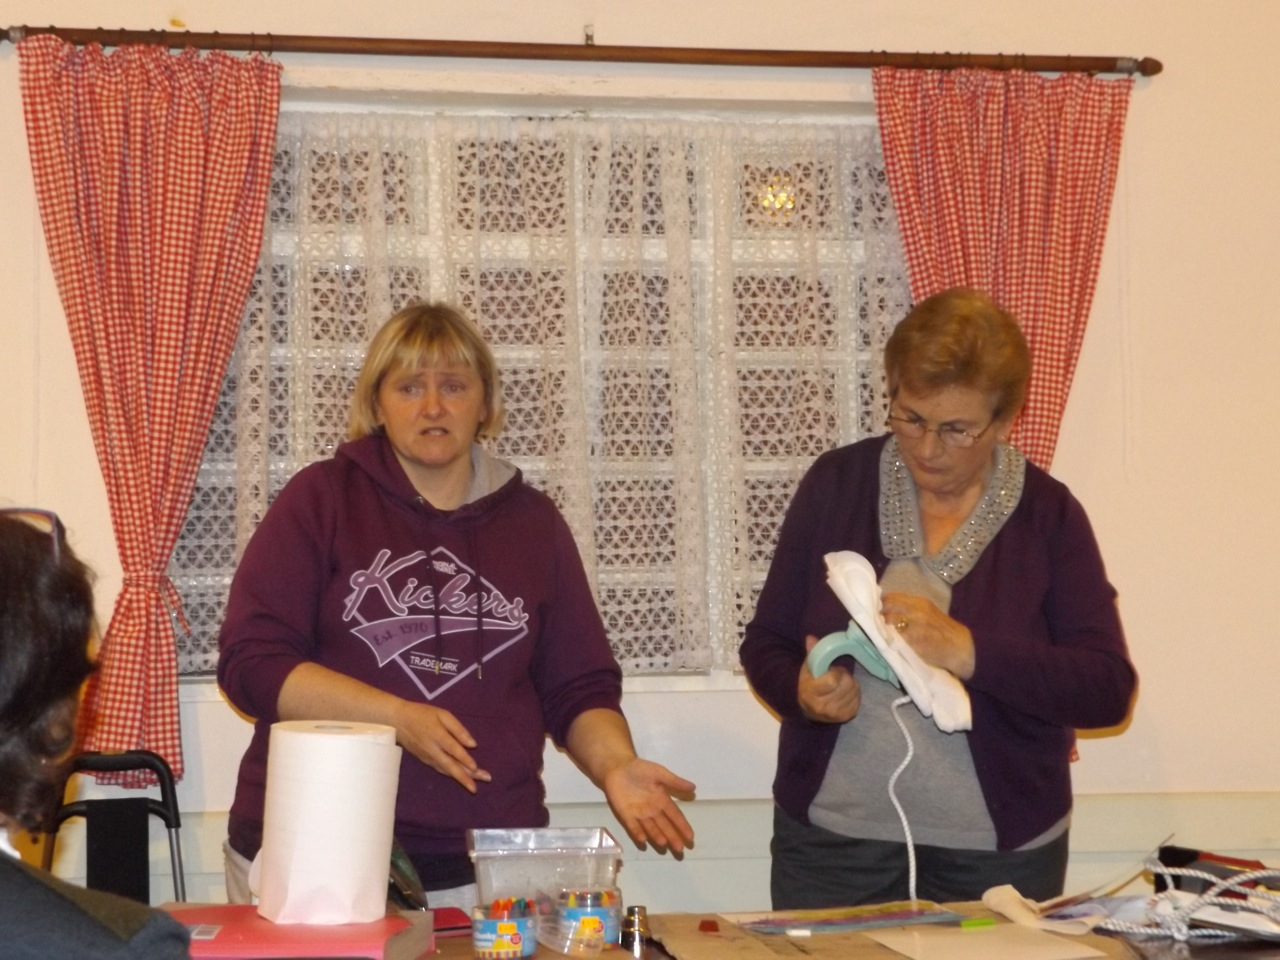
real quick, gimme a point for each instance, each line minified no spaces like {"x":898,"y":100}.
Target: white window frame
{"x":718,"y":678}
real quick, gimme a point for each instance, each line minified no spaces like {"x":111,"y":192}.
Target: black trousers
{"x":815,"y":868}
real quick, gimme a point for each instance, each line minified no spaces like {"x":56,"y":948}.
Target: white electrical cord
{"x":1173,"y":913}
{"x":893,"y":796}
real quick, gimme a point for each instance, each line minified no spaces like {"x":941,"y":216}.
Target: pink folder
{"x":237,"y":931}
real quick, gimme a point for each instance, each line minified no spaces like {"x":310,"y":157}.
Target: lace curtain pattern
{"x":151,"y":172}
{"x":1003,"y":181}
{"x":686,"y":313}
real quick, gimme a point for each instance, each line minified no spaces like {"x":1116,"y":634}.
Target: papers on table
{"x":720,"y":937}
{"x":994,"y":942}
{"x":845,"y":919}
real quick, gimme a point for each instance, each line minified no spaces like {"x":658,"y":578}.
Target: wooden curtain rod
{"x":589,"y":52}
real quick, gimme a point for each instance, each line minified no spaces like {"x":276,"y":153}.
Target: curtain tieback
{"x":157,"y":581}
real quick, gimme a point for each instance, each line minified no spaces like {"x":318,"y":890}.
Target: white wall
{"x":1169,"y":437}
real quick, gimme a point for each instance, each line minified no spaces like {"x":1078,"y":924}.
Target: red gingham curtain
{"x":152,"y":172}
{"x":1003,"y":181}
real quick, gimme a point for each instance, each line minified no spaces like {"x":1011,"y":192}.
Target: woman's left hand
{"x":937,"y":638}
{"x":639,"y":792}
{"x":640,"y":795}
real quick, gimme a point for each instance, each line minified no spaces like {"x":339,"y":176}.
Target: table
{"x":459,"y":948}
{"x":1169,"y":950}
{"x":680,"y":932}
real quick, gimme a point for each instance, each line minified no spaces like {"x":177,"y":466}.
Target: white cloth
{"x":936,"y":693}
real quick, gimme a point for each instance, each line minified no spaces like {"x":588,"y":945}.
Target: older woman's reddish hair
{"x":960,"y":337}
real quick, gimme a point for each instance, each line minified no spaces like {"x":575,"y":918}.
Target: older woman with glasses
{"x":46,"y":617}
{"x":988,"y":569}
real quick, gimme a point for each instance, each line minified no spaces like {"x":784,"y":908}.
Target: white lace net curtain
{"x":685,"y":312}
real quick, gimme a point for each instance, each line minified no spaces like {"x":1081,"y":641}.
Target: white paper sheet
{"x":1004,"y":941}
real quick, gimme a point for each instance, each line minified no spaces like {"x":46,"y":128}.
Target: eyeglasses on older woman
{"x":913,"y":428}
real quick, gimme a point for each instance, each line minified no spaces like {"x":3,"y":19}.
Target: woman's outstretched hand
{"x":640,"y":794}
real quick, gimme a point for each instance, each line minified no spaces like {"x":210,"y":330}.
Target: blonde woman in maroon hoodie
{"x":415,"y":580}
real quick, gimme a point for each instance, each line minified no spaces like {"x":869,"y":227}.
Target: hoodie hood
{"x":492,"y":478}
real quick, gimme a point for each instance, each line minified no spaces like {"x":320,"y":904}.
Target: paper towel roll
{"x":327,"y":822}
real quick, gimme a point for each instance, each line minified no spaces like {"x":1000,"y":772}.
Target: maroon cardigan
{"x":1050,"y":651}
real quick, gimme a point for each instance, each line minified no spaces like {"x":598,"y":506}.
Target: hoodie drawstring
{"x":437,"y":644}
{"x":478,"y":636}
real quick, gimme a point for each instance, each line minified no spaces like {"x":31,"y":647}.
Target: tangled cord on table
{"x":1174,"y":920}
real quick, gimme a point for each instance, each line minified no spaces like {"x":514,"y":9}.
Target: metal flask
{"x":635,"y":931}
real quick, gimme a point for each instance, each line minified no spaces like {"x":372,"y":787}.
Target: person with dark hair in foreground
{"x":46,"y":619}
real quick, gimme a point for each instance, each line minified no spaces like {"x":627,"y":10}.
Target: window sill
{"x":205,"y":689}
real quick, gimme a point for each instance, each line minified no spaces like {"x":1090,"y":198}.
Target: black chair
{"x":116,"y":835}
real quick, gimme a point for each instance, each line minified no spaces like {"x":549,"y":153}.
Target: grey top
{"x":938,"y":789}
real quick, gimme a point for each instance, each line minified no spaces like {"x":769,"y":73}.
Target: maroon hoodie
{"x":484,"y":611}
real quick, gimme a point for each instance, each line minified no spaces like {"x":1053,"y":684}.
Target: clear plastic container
{"x":587,"y":914}
{"x":539,"y":863}
{"x":571,"y":939}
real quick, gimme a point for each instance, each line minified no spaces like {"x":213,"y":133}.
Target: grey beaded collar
{"x":900,"y":532}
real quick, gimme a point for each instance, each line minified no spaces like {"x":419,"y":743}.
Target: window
{"x":686,"y":312}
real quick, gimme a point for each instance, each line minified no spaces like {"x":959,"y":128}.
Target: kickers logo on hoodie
{"x":398,"y":613}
